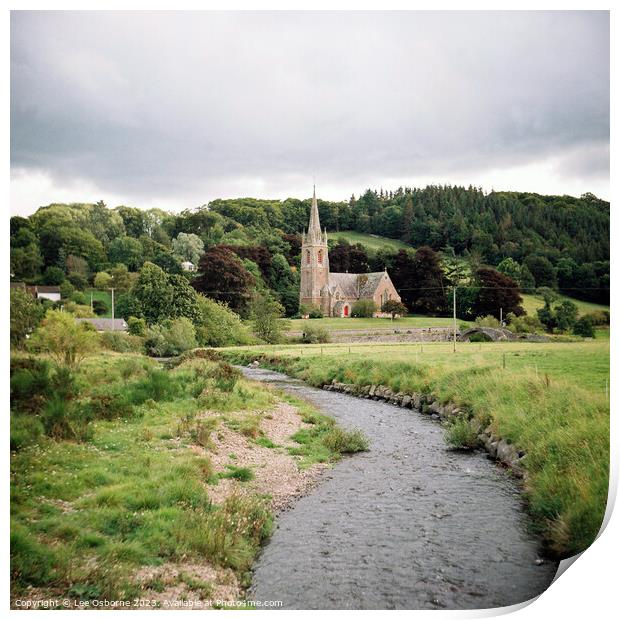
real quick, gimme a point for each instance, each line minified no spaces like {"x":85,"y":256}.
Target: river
{"x":409,"y":524}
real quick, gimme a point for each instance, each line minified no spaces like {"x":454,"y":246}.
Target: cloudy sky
{"x":175,"y":109}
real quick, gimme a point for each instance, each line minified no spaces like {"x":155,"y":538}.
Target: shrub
{"x":65,"y":419}
{"x":78,"y":280}
{"x":66,"y":289}
{"x":487,"y":321}
{"x":584,"y":327}
{"x":315,"y":313}
{"x":345,"y":442}
{"x":462,"y":433}
{"x":158,"y":385}
{"x":79,"y":298}
{"x":218,"y":325}
{"x":26,"y":314}
{"x":525,"y":324}
{"x":364,"y":308}
{"x":314,"y":334}
{"x":599,"y":317}
{"x":171,"y":338}
{"x":25,"y":430}
{"x":31,"y":384}
{"x":225,"y":376}
{"x":121,"y":342}
{"x":66,"y":340}
{"x":136,"y":326}
{"x":100,"y":307}
{"x":53,"y":276}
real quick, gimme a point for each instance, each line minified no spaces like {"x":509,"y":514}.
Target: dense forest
{"x":240,"y":245}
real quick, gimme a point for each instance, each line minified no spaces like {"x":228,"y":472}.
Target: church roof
{"x":356,"y":285}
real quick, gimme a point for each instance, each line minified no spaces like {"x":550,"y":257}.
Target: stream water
{"x":409,"y":524}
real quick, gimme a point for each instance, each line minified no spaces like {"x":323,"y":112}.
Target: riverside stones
{"x":497,"y":448}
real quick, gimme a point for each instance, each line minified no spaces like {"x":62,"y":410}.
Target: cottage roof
{"x":105,"y":325}
{"x":47,"y":289}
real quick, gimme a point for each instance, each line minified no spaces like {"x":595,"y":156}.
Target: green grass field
{"x":531,"y":303}
{"x":372,"y":242}
{"x":104,"y":296}
{"x":548,"y":399}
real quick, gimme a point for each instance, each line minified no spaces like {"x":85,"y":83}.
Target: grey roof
{"x":105,"y":325}
{"x":356,"y":285}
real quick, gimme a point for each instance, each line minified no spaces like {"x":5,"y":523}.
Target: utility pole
{"x":112,"y":309}
{"x":454,"y":318}
{"x":501,"y":317}
{"x":91,"y":301}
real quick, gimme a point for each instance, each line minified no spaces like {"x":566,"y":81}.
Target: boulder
{"x":405,"y":401}
{"x":506,"y":453}
{"x":373,"y":389}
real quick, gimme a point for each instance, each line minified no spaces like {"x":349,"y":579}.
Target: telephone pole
{"x":112,"y":309}
{"x":454,"y":319}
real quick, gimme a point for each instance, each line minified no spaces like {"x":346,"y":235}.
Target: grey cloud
{"x":162,"y":104}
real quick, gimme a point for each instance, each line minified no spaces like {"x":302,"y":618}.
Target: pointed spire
{"x":314,"y":227}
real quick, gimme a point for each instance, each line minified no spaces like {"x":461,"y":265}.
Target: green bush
{"x":584,"y":327}
{"x":79,"y":298}
{"x":225,"y":376}
{"x":170,"y":338}
{"x":219,"y":326}
{"x":363,"y":309}
{"x":121,"y":342}
{"x":137,"y":326}
{"x":25,"y":430}
{"x":599,"y":317}
{"x":100,"y":307}
{"x":158,"y":385}
{"x":31,"y":384}
{"x":526,"y":324}
{"x":345,"y":442}
{"x":66,"y":419}
{"x":487,"y":321}
{"x":315,"y":313}
{"x":314,"y":334}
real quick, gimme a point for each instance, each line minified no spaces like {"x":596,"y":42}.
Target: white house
{"x":188,"y":266}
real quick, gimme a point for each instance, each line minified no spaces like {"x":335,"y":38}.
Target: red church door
{"x":346,"y":311}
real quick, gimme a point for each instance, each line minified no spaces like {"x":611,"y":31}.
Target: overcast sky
{"x":175,"y":109}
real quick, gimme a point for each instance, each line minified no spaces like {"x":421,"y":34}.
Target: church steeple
{"x":314,"y":262}
{"x":314,"y":226}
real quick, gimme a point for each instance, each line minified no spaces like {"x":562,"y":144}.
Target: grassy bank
{"x":372,"y":242}
{"x":549,"y":401}
{"x":92,"y":515}
{"x":531,"y":303}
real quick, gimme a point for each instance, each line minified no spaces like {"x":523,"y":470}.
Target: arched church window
{"x":320,"y":257}
{"x":307,"y":257}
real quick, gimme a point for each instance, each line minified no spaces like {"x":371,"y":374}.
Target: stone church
{"x":335,"y":293}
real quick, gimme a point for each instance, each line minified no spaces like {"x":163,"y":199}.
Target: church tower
{"x":314,"y":263}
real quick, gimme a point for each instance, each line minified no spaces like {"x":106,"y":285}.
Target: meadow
{"x":531,"y":303}
{"x":548,"y":399}
{"x":372,"y":242}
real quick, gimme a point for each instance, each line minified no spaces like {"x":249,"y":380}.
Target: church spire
{"x":314,"y":227}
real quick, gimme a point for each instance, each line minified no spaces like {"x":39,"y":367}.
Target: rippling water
{"x":409,"y":524}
